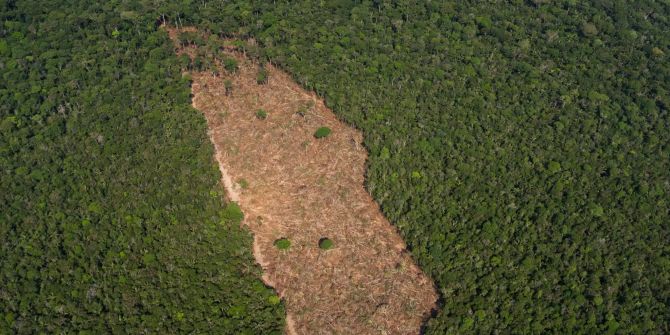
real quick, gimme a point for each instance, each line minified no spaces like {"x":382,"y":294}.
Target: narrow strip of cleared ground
{"x":294,"y":186}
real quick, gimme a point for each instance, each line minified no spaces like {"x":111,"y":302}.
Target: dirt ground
{"x":292,"y":185}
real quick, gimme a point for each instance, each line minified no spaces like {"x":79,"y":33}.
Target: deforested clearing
{"x":305,"y":189}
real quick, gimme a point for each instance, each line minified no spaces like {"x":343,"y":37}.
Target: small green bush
{"x":261,"y":114}
{"x":322,"y":132}
{"x":233,"y":213}
{"x":230,"y":64}
{"x":282,"y":244}
{"x":262,"y":76}
{"x":326,"y":243}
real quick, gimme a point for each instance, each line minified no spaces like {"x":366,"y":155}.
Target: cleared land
{"x":294,"y":186}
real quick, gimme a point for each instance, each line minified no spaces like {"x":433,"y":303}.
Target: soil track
{"x":304,"y":189}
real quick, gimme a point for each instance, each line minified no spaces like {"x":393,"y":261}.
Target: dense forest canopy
{"x":521,"y":147}
{"x":111,"y":219}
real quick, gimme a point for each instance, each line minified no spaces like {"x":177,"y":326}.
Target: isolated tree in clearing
{"x":282,"y":243}
{"x":326,"y":243}
{"x":322,"y":132}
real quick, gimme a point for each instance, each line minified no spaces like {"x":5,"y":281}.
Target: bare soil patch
{"x":305,"y":189}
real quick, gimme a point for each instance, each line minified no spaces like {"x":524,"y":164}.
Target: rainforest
{"x":519,"y":149}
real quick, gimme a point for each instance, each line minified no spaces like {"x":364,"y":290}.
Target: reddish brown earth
{"x":304,"y":189}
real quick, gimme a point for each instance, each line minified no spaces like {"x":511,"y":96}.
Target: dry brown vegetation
{"x":303,"y":189}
